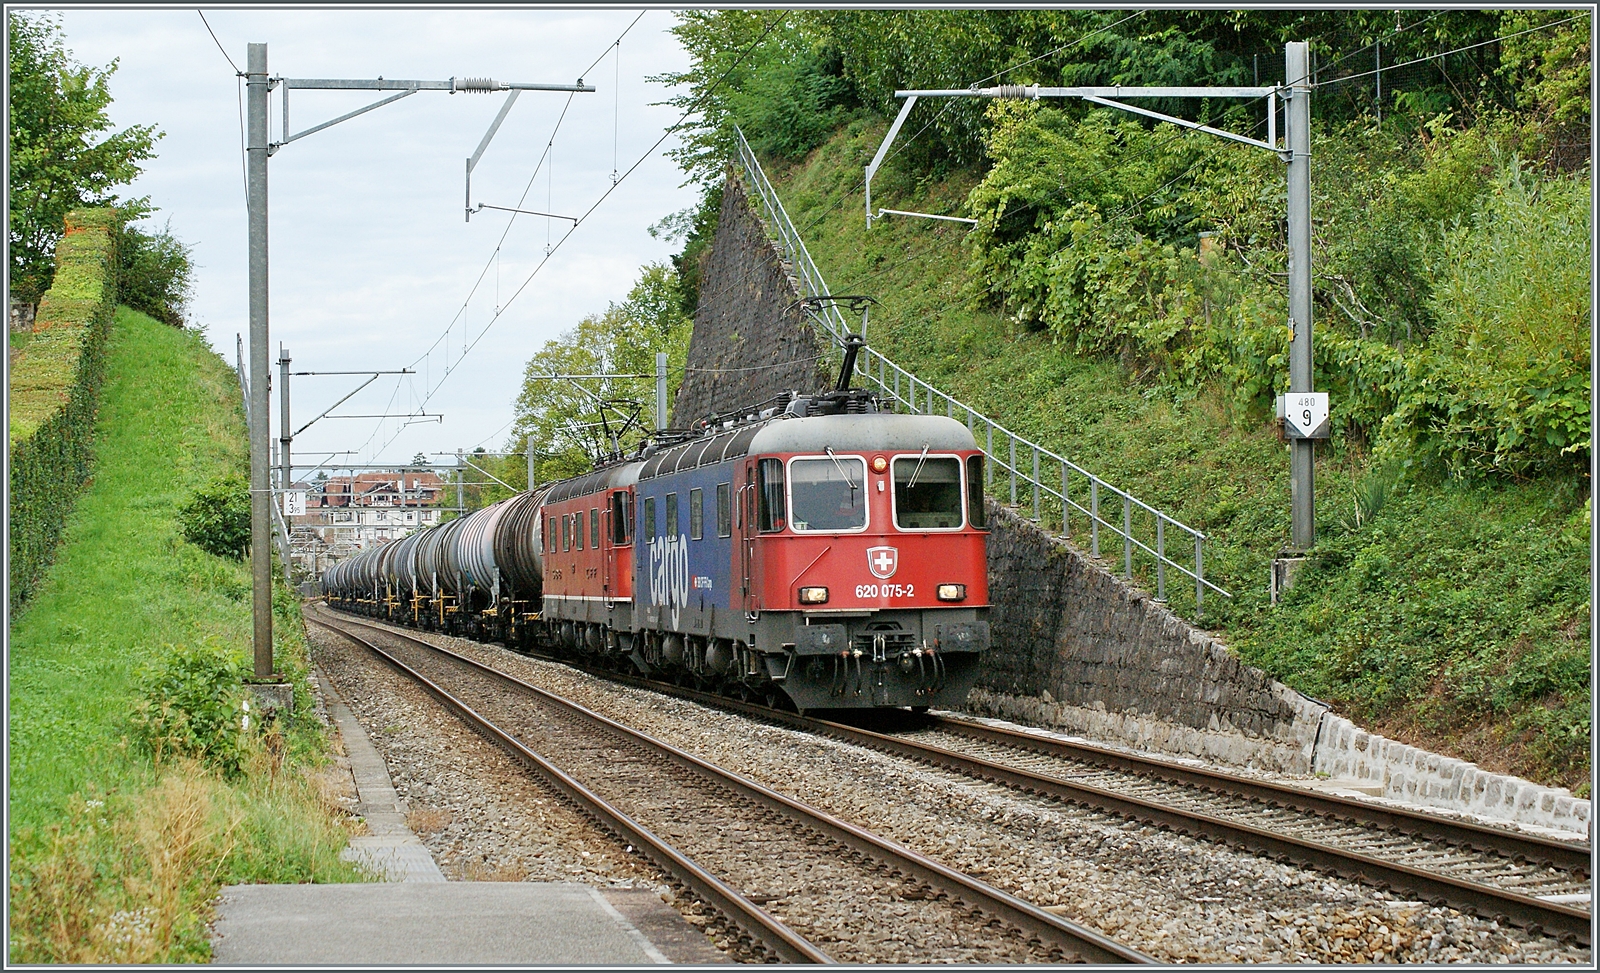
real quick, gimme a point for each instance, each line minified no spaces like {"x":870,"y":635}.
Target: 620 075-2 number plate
{"x":886,"y":591}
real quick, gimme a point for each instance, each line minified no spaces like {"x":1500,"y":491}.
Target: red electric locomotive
{"x":824,"y":554}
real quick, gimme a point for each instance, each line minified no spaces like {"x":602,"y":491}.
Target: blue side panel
{"x":685,"y":576}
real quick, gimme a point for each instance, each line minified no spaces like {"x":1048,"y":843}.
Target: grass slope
{"x":124,"y":592}
{"x":1449,"y":614}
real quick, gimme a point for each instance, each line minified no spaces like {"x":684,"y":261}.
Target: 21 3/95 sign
{"x":1304,"y":414}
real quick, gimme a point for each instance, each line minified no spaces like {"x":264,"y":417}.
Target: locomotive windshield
{"x":828,"y":494}
{"x":927,"y":492}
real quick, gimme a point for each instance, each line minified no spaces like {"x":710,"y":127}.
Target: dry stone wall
{"x":750,"y":342}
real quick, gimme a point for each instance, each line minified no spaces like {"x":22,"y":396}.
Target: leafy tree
{"x":1549,"y":68}
{"x":762,"y":70}
{"x":157,"y":273}
{"x":58,"y":107}
{"x":564,"y":420}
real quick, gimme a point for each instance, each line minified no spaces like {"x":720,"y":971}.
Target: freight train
{"x":821,"y":554}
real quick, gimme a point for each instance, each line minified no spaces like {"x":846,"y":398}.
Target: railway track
{"x":1529,"y":882}
{"x":831,"y":879}
{"x":1532,"y":882}
{"x":1488,"y":872}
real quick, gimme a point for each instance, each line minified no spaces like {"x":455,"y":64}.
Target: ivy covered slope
{"x":1447,"y":599}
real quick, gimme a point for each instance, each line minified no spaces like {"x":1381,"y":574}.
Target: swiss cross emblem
{"x":883,"y":561}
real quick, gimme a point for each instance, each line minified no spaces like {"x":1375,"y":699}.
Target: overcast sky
{"x":371,"y":259}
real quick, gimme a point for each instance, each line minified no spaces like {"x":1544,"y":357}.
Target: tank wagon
{"x":823,"y":554}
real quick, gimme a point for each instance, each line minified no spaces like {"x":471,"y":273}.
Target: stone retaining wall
{"x":1406,"y":773}
{"x":1077,"y":648}
{"x":750,"y":342}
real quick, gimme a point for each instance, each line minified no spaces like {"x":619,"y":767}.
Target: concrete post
{"x":661,"y":390}
{"x":1303,"y":531}
{"x":285,"y":430}
{"x":256,"y":87}
{"x":461,"y":486}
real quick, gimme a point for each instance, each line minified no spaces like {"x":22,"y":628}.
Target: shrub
{"x":217,"y":518}
{"x":1453,"y":300}
{"x":157,"y":273}
{"x":193,"y":706}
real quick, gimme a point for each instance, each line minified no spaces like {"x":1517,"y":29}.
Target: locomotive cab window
{"x":770,"y":514}
{"x":620,"y":534}
{"x":672,"y":515}
{"x":828,"y":494}
{"x":975,"y":492}
{"x":647,"y":520}
{"x":927,"y":492}
{"x":594,"y":528}
{"x":697,"y":513}
{"x":724,"y":509}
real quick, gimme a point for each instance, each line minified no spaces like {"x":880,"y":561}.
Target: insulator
{"x":475,"y":84}
{"x":1012,"y":91}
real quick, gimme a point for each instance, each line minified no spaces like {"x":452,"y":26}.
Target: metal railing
{"x":1052,"y":502}
{"x":788,"y":240}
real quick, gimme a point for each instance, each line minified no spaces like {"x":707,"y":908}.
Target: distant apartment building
{"x":347,"y":513}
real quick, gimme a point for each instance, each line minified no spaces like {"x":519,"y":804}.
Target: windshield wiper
{"x":918,"y":471}
{"x":848,"y":482}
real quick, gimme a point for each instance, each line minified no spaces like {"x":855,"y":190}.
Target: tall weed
{"x":122,"y":884}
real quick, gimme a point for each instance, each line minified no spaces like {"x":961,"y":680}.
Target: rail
{"x":968,"y":892}
{"x":1052,"y":502}
{"x":1522,"y":906}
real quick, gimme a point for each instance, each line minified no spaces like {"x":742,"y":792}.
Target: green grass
{"x":1474,"y":637}
{"x":124,"y":591}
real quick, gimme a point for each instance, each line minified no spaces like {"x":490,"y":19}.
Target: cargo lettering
{"x":669,"y":571}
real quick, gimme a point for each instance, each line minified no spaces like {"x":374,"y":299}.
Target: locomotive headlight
{"x":814,"y":596}
{"x":879,"y":464}
{"x":952,"y":592}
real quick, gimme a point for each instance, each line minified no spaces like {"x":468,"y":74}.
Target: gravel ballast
{"x":1179,"y":899}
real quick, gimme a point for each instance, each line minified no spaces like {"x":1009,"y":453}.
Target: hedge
{"x":55,"y":384}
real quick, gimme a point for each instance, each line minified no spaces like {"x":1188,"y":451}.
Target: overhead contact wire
{"x":676,"y":126}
